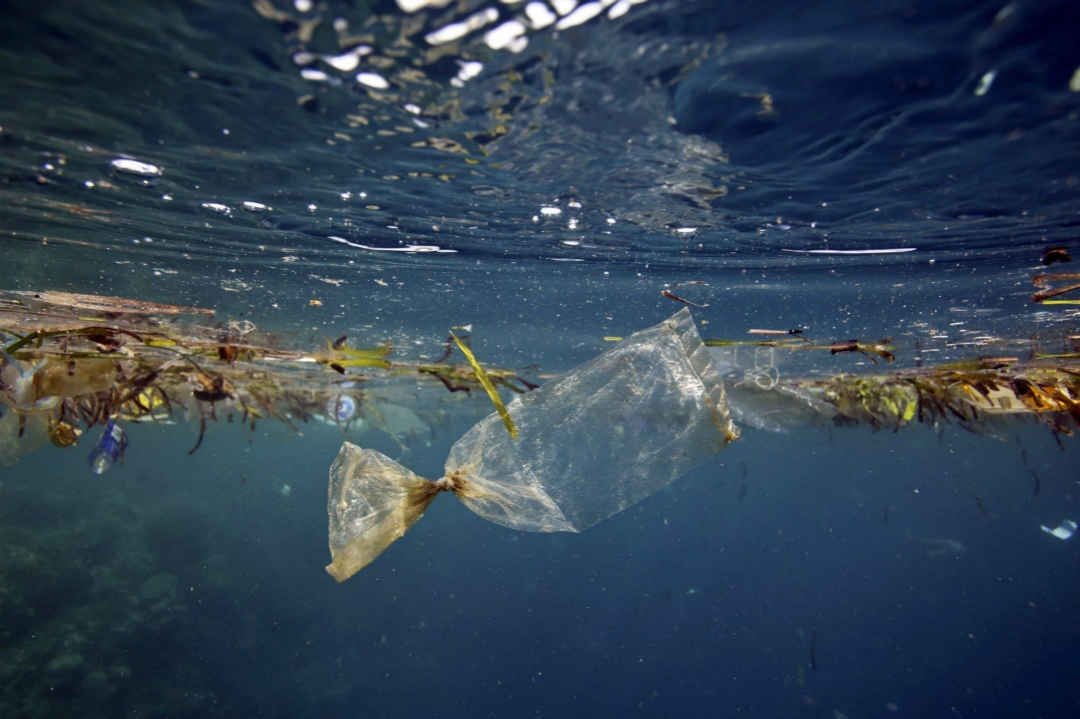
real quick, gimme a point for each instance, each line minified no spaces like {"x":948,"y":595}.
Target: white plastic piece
{"x":1065,"y":530}
{"x":984,"y":83}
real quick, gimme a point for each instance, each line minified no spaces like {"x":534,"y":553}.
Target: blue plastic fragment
{"x":109,"y":448}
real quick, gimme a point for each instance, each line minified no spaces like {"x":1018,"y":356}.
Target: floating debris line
{"x":70,"y":362}
{"x":970,"y":394}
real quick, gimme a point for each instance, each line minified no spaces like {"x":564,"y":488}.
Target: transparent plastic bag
{"x":591,"y":443}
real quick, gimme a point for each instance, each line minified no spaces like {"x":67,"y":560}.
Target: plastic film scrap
{"x":591,"y":443}
{"x":365,"y":517}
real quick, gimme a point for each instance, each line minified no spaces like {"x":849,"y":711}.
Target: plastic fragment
{"x":593,"y":442}
{"x":109,"y":448}
{"x":1065,"y":530}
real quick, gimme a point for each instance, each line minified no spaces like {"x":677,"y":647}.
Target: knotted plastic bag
{"x":591,"y":443}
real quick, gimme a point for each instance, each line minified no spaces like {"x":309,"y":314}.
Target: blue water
{"x":823,"y":571}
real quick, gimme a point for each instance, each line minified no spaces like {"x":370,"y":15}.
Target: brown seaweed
{"x":91,"y":359}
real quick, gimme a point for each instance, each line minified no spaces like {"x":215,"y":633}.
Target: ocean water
{"x":853,"y":170}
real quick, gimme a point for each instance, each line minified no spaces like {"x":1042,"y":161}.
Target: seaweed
{"x":71,"y":362}
{"x":485,"y":381}
{"x":67,"y":368}
{"x":972,"y":398}
{"x":881,"y":348}
{"x":1046,"y":292}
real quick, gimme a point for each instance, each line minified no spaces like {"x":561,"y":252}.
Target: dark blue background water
{"x":700,"y":601}
{"x":175,"y":586}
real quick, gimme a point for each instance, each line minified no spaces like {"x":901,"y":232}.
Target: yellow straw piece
{"x":488,"y":387}
{"x":1061,"y":302}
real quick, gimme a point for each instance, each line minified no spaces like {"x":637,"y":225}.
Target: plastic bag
{"x":24,"y":424}
{"x":591,"y":443}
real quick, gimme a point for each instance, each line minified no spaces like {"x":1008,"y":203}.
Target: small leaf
{"x":488,"y":387}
